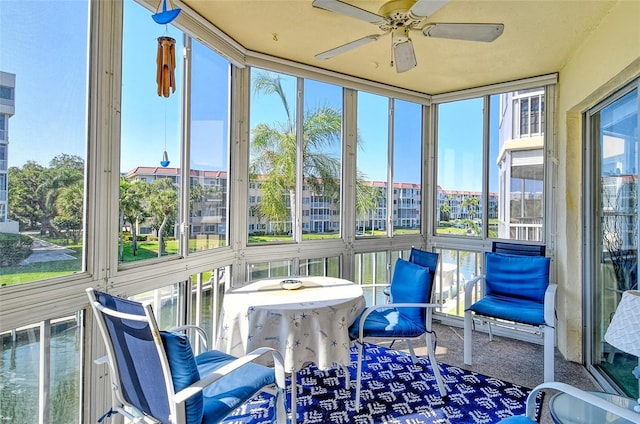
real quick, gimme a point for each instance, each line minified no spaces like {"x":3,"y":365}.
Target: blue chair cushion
{"x":516,"y":276}
{"x":411,"y":283}
{"x":517,"y":419}
{"x":510,"y":309}
{"x":387,"y":322}
{"x":184,"y":371}
{"x":226,"y":394}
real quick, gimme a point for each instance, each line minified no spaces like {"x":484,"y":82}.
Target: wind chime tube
{"x":166,"y":64}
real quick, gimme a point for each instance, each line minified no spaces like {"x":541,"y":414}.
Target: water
{"x":20,"y":374}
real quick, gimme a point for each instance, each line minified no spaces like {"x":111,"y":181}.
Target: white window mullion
{"x":44,"y":392}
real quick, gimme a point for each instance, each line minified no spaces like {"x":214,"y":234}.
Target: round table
{"x":309,"y":324}
{"x":566,"y":409}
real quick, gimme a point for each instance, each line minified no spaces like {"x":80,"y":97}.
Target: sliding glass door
{"x":613,"y":147}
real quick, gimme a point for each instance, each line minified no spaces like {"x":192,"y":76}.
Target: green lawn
{"x":149,"y":250}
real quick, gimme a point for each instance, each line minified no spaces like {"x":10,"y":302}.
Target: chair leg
{"x":347,"y":376}
{"x":468,"y":323}
{"x":359,"y":374}
{"x":434,"y":364}
{"x":294,"y":397}
{"x":549,"y":357}
{"x":490,"y":331}
{"x":411,"y":351}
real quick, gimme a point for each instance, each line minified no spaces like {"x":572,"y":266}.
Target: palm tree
{"x":274,"y":151}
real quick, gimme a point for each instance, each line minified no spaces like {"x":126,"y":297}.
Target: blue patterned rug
{"x":394,"y":390}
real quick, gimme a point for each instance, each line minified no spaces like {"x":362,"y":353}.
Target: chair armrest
{"x":201,"y":333}
{"x":370,"y":309}
{"x":587,"y":397}
{"x":204,"y":381}
{"x":469,"y":287}
{"x":550,"y":305}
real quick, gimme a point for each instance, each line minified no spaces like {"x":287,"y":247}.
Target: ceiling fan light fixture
{"x":400,"y":35}
{"x":404,"y":56}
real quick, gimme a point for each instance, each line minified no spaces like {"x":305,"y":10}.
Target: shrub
{"x":14,"y":248}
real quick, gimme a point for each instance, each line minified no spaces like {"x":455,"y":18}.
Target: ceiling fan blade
{"x":343,"y":8}
{"x":346,"y":47}
{"x":426,"y":7}
{"x":469,"y":32}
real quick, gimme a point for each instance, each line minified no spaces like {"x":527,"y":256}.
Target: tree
{"x":25,"y":205}
{"x":274,"y":150}
{"x":445,"y":211}
{"x":163,"y":207}
{"x":64,"y":171}
{"x":69,"y":208}
{"x":471,"y":205}
{"x":132,"y":209}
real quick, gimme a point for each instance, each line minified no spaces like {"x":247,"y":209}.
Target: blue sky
{"x":51,"y":109}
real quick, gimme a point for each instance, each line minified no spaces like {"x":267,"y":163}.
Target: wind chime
{"x":165,"y":64}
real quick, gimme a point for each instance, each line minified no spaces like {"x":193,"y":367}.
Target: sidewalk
{"x":43,"y":251}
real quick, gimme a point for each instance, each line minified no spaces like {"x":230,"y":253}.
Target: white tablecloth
{"x":309,"y":324}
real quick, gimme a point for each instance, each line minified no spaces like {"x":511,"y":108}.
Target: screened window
{"x":513,"y":205}
{"x":460,"y":165}
{"x":209,"y":155}
{"x":407,"y":166}
{"x":150,"y":140}
{"x":321,"y":160}
{"x":517,"y":167}
{"x":372,"y":165}
{"x":45,"y":166}
{"x":273,"y":156}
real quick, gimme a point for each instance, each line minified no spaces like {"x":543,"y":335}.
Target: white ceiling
{"x":539,"y":37}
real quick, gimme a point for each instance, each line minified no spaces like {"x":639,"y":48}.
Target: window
{"x":276,"y":147}
{"x":273,"y":154}
{"x":372,"y":164}
{"x":407,"y":164}
{"x":6,"y":93}
{"x":44,"y":188}
{"x":321,"y":158}
{"x":150,"y":140}
{"x":513,"y":206}
{"x":209,"y":155}
{"x":3,"y":127}
{"x":528,"y":112}
{"x":460,"y":165}
{"x":517,"y":185}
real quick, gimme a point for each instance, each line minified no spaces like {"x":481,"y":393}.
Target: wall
{"x":607,"y":58}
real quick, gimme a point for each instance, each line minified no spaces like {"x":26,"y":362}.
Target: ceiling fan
{"x":398,"y":18}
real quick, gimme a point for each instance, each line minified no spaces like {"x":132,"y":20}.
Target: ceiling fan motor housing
{"x":398,"y":17}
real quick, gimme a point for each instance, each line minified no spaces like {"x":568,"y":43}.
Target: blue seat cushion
{"x":517,"y":419}
{"x":388,"y":322}
{"x":226,"y":394}
{"x":511,"y":309}
{"x":184,"y":371}
{"x":517,"y":276}
{"x":411,"y":283}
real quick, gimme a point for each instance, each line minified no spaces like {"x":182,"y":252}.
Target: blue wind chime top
{"x":165,"y":16}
